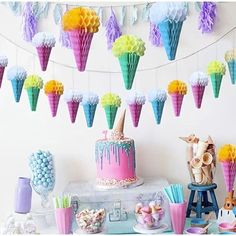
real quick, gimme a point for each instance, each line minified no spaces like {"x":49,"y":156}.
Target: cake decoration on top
{"x":118,"y":132}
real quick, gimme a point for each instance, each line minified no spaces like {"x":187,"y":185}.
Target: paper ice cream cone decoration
{"x":128,"y":49}
{"x":169,"y":17}
{"x":17,"y":76}
{"x":227,"y":158}
{"x":177,"y":89}
{"x":135,"y":102}
{"x":110,"y":103}
{"x":216,"y":70}
{"x":44,"y":42}
{"x":3,"y":64}
{"x":81,"y":23}
{"x":73,"y":99}
{"x":33,"y":84}
{"x":89,"y":102}
{"x":54,"y":89}
{"x":230,"y":58}
{"x":157,"y":99}
{"x":198,"y":82}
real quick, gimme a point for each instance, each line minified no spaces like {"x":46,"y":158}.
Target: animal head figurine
{"x":230,"y":201}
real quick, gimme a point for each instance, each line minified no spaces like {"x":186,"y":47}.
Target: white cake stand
{"x":139,"y":229}
{"x":138,"y":182}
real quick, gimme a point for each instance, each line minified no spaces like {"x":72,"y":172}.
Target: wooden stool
{"x":202,"y":205}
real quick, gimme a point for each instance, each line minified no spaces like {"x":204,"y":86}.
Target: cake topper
{"x":118,"y":132}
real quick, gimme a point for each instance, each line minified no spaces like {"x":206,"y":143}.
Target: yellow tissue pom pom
{"x":177,"y":86}
{"x":128,"y":44}
{"x":111,"y":99}
{"x":216,"y":67}
{"x":227,"y":153}
{"x":81,"y":18}
{"x":33,"y":81}
{"x":54,"y":86}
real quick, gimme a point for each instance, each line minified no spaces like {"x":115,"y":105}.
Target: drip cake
{"x":115,"y":160}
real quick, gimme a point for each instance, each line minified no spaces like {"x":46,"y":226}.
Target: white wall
{"x":159,"y":151}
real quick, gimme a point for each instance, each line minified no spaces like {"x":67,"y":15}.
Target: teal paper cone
{"x":110,"y":115}
{"x":232,"y":70}
{"x":17,"y":86}
{"x":89,"y":112}
{"x":170,"y":32}
{"x":157,"y":107}
{"x":128,"y":64}
{"x":216,"y":83}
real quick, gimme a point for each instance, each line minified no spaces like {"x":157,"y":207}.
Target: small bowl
{"x":226,"y":227}
{"x":195,"y":230}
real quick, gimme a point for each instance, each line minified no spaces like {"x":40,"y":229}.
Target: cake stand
{"x":139,"y":229}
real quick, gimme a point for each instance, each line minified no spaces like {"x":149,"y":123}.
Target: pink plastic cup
{"x":64,"y":220}
{"x":178,"y":216}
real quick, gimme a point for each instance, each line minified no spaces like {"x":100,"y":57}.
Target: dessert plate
{"x":139,"y":229}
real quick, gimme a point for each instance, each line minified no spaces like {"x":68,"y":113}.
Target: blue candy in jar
{"x":43,"y":174}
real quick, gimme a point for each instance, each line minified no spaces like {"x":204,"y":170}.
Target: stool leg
{"x":214,"y":202}
{"x":190,"y":202}
{"x":199,"y":204}
{"x":205,"y":200}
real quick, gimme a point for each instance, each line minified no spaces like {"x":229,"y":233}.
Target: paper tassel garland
{"x":73,"y":99}
{"x":89,"y":102}
{"x":169,"y":17}
{"x":110,"y":103}
{"x":3,"y":64}
{"x":198,"y":82}
{"x":157,"y":99}
{"x":216,"y":70}
{"x":177,"y":89}
{"x":112,"y":30}
{"x":29,"y":25}
{"x":81,"y":23}
{"x":207,"y":17}
{"x":135,"y":101}
{"x":44,"y":42}
{"x":128,"y":49}
{"x":53,"y":89}
{"x":17,"y":76}
{"x":33,"y":84}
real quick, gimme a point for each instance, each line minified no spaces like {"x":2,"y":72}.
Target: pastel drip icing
{"x":105,"y":147}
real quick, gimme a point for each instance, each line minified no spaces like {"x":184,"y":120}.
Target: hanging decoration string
{"x":17,"y":56}
{"x":88,"y":81}
{"x":176,"y":70}
{"x":197,"y":55}
{"x":116,"y":72}
{"x":156,"y":78}
{"x":73,"y":79}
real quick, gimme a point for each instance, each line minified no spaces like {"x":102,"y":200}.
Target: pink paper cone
{"x":135,"y":110}
{"x":178,"y":216}
{"x":2,"y":69}
{"x":177,"y":100}
{"x":44,"y":54}
{"x":229,"y":172}
{"x":73,"y":109}
{"x":53,"y":101}
{"x":80,"y":42}
{"x":64,"y":220}
{"x":198,"y":92}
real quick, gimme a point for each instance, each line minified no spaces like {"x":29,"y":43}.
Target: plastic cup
{"x":178,"y":216}
{"x":64,"y":220}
